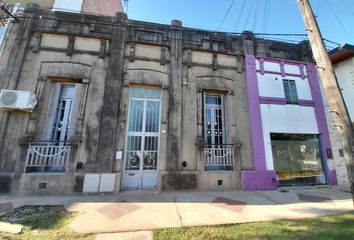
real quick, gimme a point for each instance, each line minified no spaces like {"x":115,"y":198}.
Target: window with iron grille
{"x":52,"y":154}
{"x":290,"y":91}
{"x":218,"y":156}
{"x":213,"y":120}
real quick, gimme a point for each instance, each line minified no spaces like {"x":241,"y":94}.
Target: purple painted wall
{"x":260,"y":178}
{"x":255,"y":115}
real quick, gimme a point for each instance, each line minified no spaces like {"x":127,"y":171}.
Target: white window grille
{"x":142,"y":139}
{"x":143,"y":130}
{"x":51,"y":156}
{"x":219,"y":157}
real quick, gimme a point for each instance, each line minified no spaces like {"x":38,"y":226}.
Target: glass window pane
{"x":297,"y":159}
{"x":213,"y":118}
{"x":152,"y":116}
{"x":290,"y":91}
{"x":135,"y":118}
{"x":211,"y":100}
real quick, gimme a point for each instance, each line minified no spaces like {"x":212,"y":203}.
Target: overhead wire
{"x":324,"y":39}
{"x":248,"y":15}
{"x":348,"y":7}
{"x":260,"y":36}
{"x":240,"y":15}
{"x":267,"y":35}
{"x":255,"y":15}
{"x":152,"y":28}
{"x":226,"y":14}
{"x":266,"y":15}
{"x":338,"y":20}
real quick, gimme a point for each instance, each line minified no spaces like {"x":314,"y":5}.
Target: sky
{"x":335,"y":17}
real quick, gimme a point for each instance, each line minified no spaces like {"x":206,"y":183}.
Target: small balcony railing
{"x":219,"y":157}
{"x":47,"y":156}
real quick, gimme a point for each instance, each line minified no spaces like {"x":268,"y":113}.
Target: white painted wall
{"x":285,"y":119}
{"x":68,"y":5}
{"x":345,"y":76}
{"x":271,"y":85}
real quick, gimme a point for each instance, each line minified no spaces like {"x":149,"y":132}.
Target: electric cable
{"x":227,"y":13}
{"x":347,"y":7}
{"x":248,"y":15}
{"x":255,"y":15}
{"x":240,"y":15}
{"x":339,"y":21}
{"x":192,"y":31}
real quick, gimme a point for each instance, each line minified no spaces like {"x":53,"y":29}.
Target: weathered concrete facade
{"x":106,"y":59}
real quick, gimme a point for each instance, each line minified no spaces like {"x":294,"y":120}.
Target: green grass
{"x":43,"y":223}
{"x":337,"y":227}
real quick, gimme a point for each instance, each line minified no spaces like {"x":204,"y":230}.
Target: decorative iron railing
{"x":219,"y":156}
{"x":47,"y":156}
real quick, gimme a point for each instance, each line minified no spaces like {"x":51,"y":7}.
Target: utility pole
{"x":331,"y":89}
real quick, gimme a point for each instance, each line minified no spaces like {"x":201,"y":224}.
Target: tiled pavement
{"x":146,"y":211}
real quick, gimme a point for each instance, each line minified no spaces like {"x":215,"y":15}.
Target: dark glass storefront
{"x":298,"y":159}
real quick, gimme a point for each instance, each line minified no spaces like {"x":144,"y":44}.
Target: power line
{"x":348,"y":7}
{"x":248,"y":15}
{"x":110,"y":23}
{"x":255,"y":15}
{"x":227,"y":13}
{"x":338,"y":44}
{"x":266,"y":15}
{"x":338,"y":20}
{"x":240,"y":15}
{"x":185,"y":30}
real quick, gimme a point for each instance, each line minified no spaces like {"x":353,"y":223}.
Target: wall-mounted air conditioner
{"x":17,"y":100}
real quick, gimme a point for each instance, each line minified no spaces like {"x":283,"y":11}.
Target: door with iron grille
{"x":142,"y":139}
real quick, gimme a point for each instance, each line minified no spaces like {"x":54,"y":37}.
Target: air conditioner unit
{"x":17,"y":100}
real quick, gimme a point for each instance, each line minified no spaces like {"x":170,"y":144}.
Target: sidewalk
{"x":131,"y":211}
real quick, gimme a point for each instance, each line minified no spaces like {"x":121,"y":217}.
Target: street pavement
{"x":135,"y":211}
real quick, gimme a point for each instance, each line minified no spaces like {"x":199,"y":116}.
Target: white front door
{"x":142,"y":139}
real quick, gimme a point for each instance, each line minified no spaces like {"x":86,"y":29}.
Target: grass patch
{"x":42,"y":223}
{"x":323,"y":228}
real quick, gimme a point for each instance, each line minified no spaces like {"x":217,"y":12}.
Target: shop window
{"x":297,"y":159}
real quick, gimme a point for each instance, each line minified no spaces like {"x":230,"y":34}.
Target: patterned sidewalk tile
{"x":229,"y":204}
{"x":116,"y":210}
